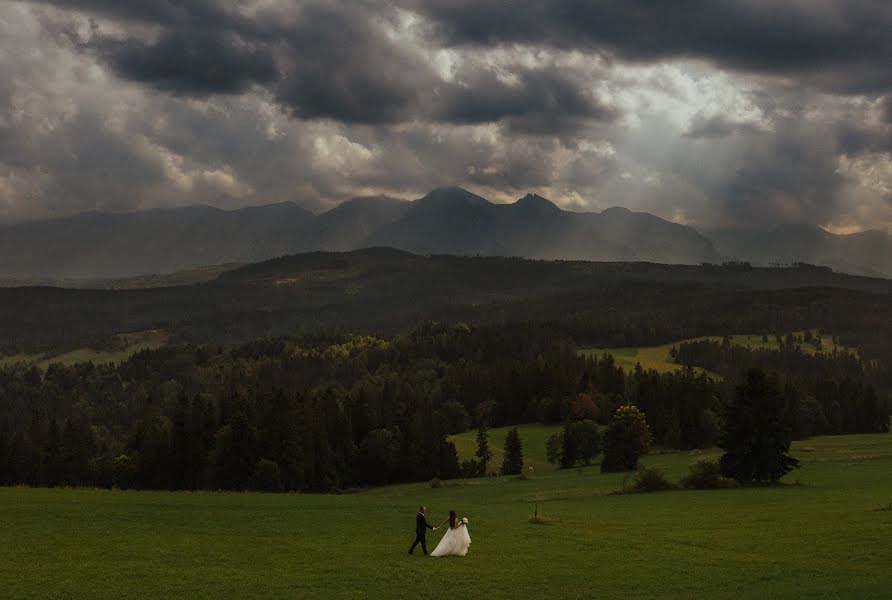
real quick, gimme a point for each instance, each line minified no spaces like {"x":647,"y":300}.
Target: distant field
{"x":6,"y":361}
{"x":659,"y":359}
{"x":532,"y":437}
{"x":128,"y":344}
{"x":825,"y":538}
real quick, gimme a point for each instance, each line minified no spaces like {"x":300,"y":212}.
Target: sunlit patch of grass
{"x":659,"y":358}
{"x":125,"y":345}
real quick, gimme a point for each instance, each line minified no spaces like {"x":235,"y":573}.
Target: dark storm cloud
{"x":328,"y":61}
{"x":208,"y":13}
{"x":842,"y":45}
{"x":540,"y":100}
{"x":195,"y":63}
{"x":320,"y":60}
{"x":723,"y":111}
{"x":788,"y":178}
{"x":341,"y":65}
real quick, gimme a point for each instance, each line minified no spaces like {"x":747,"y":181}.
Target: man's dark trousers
{"x":421,"y":527}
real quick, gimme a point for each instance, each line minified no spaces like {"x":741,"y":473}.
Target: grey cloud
{"x":841,"y":45}
{"x":318,"y":101}
{"x":197,"y":63}
{"x":330,"y":61}
{"x":717,"y":127}
{"x":482,"y":98}
{"x":208,"y":13}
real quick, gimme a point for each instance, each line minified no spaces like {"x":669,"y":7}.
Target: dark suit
{"x":421,"y":527}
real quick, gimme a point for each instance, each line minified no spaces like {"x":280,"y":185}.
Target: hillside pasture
{"x":659,"y":358}
{"x":123,"y":346}
{"x":823,"y":535}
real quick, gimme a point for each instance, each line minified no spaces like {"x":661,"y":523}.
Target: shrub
{"x":436,"y":483}
{"x":704,"y":474}
{"x":470,"y":468}
{"x":526,"y":474}
{"x":538,"y":518}
{"x":650,"y":479}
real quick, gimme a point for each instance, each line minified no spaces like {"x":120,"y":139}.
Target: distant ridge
{"x":455,"y":221}
{"x":865,"y":253}
{"x":448,"y":220}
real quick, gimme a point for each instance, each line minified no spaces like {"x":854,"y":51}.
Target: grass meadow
{"x":659,"y":359}
{"x":821,"y":535}
{"x":125,"y":346}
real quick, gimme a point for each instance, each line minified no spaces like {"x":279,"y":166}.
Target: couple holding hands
{"x":454,"y":543}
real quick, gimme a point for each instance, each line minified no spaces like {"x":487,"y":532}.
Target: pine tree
{"x":483,"y":453}
{"x":756,"y":440}
{"x":569,"y":451}
{"x":553,"y":447}
{"x":513,"y":461}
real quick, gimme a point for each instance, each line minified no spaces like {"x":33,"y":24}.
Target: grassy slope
{"x":820,"y":539}
{"x":129,"y":344}
{"x":532,"y":438}
{"x":658,"y":358}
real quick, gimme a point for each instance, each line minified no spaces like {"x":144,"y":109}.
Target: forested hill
{"x":310,"y":415}
{"x":385,"y":291}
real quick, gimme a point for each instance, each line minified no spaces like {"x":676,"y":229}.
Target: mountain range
{"x":99,"y":245}
{"x":863,"y":253}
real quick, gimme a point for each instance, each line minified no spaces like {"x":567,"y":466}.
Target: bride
{"x":456,"y":541}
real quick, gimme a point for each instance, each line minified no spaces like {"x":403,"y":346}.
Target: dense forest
{"x":825,"y":392}
{"x":334,"y":413}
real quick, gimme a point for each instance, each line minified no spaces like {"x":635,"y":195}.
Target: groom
{"x":421,"y":527}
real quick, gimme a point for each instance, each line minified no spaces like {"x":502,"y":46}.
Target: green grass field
{"x":532,"y":437}
{"x":824,"y":538}
{"x":659,"y":359}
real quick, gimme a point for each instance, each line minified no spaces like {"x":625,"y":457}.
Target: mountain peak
{"x":537,"y":204}
{"x":446,"y":196}
{"x":616,"y":210}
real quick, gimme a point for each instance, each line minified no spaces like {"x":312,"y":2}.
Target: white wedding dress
{"x":454,"y":543}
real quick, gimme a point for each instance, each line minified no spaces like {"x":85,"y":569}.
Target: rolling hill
{"x":383,"y":289}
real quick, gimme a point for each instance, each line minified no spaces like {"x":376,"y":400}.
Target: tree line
{"x":323,"y":414}
{"x":823,"y":392}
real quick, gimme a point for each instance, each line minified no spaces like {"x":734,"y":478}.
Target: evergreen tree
{"x":756,"y":441}
{"x":553,"y":447}
{"x":513,"y":461}
{"x":483,"y":452}
{"x":569,"y":451}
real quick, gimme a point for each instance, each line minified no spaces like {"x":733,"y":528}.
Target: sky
{"x":713,"y":113}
